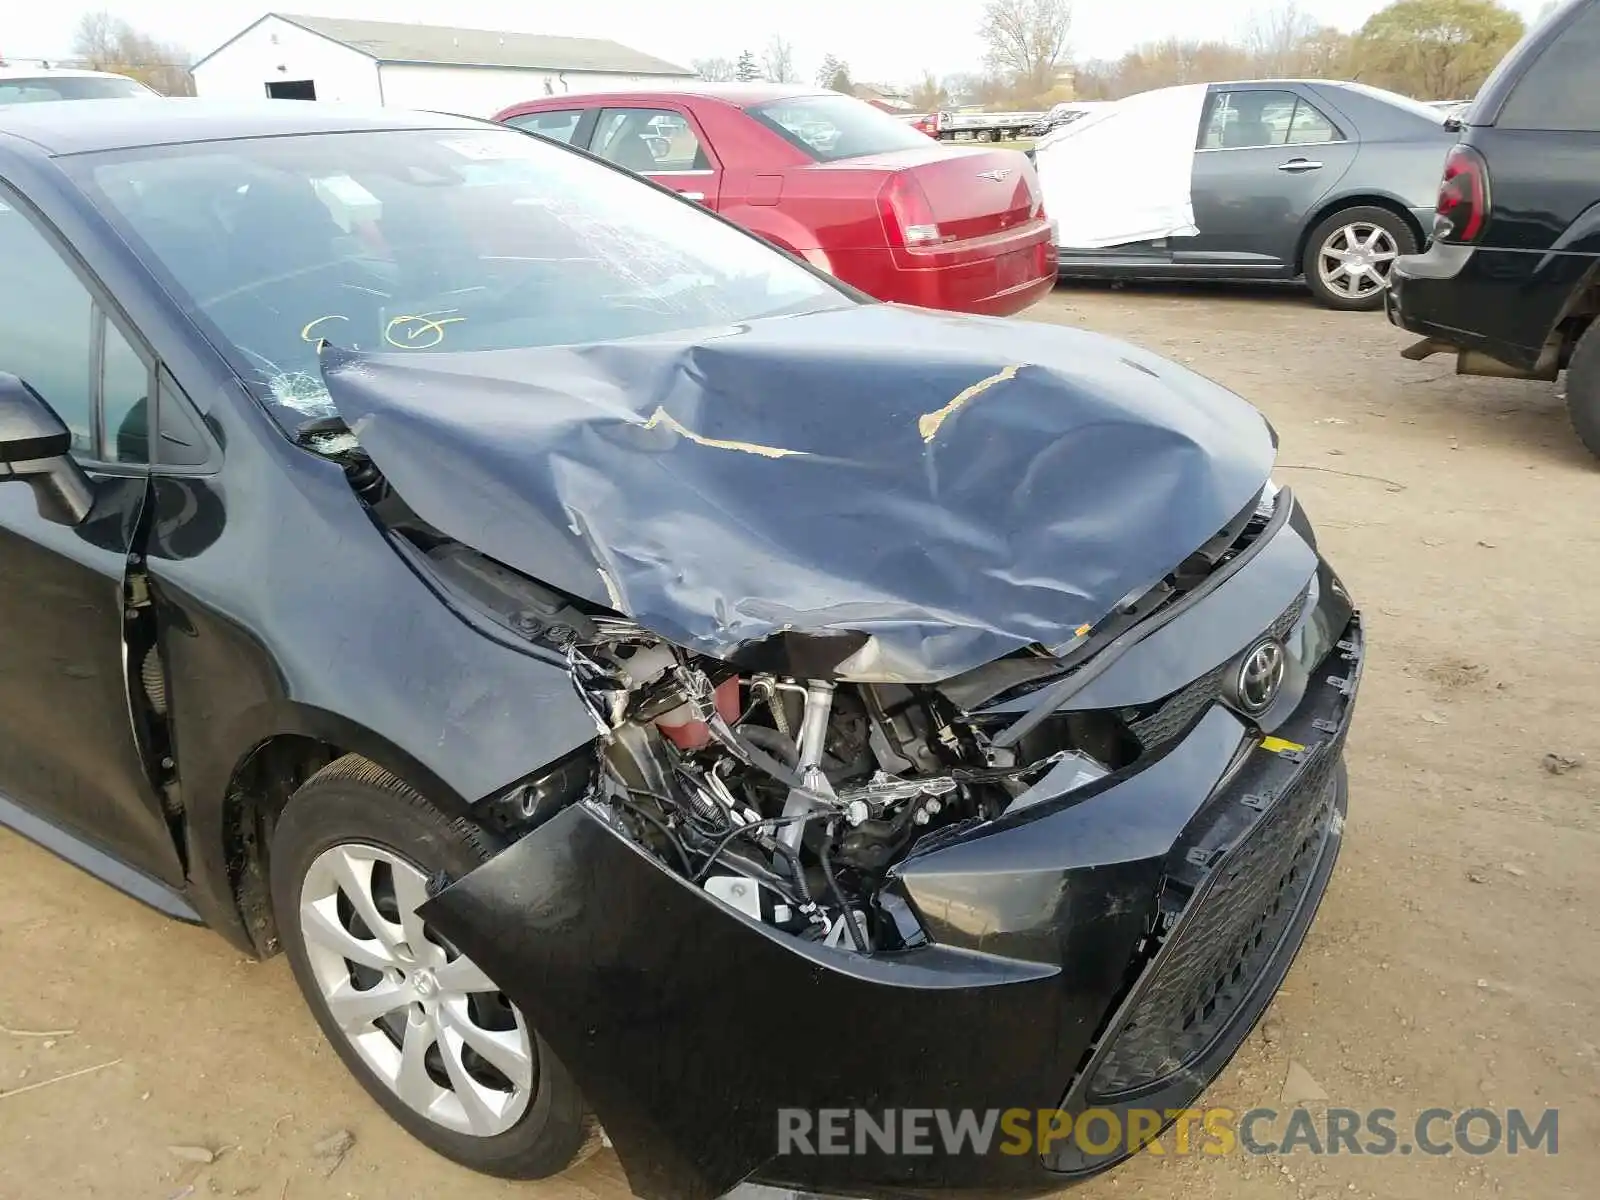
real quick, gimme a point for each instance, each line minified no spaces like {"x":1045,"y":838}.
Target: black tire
{"x":353,"y":800}
{"x":1400,"y":233}
{"x":1583,"y":389}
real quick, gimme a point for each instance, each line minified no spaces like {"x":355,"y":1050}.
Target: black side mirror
{"x":34,"y":446}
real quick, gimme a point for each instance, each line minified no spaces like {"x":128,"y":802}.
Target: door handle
{"x":1300,"y":164}
{"x":697,"y":196}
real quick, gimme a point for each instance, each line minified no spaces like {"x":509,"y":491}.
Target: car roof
{"x":1267,"y":83}
{"x":8,"y":72}
{"x":66,"y":127}
{"x":739,"y":95}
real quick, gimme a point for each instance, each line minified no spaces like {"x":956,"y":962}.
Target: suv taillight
{"x":907,"y":216}
{"x":1463,"y":208}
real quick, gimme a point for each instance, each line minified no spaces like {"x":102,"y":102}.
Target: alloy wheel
{"x":422,"y":1016}
{"x":1354,"y":260}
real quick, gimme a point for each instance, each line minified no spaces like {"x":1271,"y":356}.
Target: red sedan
{"x":848,"y":188}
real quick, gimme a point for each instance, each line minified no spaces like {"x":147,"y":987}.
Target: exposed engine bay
{"x":790,"y":799}
{"x":781,"y":788}
{"x":785,"y":752}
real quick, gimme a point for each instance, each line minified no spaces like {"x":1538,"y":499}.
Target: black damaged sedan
{"x":638,"y":682}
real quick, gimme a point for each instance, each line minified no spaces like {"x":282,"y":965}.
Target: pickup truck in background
{"x":978,"y":126}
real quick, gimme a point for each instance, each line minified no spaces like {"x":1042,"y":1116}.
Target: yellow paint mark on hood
{"x":662,"y":417}
{"x":613,"y":592}
{"x":928,"y":423}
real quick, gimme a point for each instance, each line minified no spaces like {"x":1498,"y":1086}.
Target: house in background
{"x":474,"y":72}
{"x":889,"y":99}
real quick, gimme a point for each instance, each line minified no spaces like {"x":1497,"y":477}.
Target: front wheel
{"x":1348,"y":257}
{"x":423,"y":1029}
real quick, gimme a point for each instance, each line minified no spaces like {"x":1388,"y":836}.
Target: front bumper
{"x":1110,"y":951}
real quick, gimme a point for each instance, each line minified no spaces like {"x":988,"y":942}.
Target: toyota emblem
{"x":1261,"y":675}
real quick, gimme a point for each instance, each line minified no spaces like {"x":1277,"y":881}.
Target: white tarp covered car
{"x":1139,"y":154}
{"x":1268,"y":179}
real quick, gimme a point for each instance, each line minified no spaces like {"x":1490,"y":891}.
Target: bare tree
{"x":96,"y":39}
{"x":1163,"y":64}
{"x":929,"y":95}
{"x":714,"y":70}
{"x":1276,"y":39}
{"x":1328,"y":53}
{"x":1098,"y":79}
{"x":777,"y":60}
{"x":104,"y":42}
{"x":1026,"y":41}
{"x":834,"y":73}
{"x":964,"y":87}
{"x":1436,"y":49}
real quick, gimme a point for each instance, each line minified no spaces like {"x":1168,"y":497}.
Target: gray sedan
{"x":1329,"y":182}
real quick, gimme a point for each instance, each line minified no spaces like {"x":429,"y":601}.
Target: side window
{"x":1245,"y":119}
{"x":648,"y":141}
{"x":124,"y":400}
{"x":47,"y":324}
{"x":54,"y":336}
{"x":1557,"y":91}
{"x":557,"y":126}
{"x":1308,"y":126}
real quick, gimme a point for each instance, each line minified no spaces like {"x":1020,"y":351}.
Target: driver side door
{"x":69,"y":753}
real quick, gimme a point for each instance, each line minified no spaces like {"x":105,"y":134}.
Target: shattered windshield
{"x":421,"y":240}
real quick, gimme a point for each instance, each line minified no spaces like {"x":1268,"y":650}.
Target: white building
{"x":474,"y":72}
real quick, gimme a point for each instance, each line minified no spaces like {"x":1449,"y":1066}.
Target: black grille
{"x":1174,"y":714}
{"x":1285,"y":621}
{"x":1224,"y":940}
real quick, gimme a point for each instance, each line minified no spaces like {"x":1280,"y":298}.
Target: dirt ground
{"x":1454,"y":963}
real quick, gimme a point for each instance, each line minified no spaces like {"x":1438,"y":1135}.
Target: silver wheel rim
{"x":423,"y":1017}
{"x":1355,"y":260}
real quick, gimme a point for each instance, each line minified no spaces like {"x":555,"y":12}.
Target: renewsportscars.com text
{"x":1207,"y":1131}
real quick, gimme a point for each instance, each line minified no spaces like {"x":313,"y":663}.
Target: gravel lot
{"x":1454,"y":963}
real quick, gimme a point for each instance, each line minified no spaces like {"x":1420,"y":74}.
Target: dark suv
{"x":1511,"y":283}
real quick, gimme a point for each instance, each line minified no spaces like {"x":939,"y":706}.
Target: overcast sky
{"x":887,"y":40}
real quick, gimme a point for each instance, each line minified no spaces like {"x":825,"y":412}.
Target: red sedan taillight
{"x":907,"y":216}
{"x":1463,"y":208}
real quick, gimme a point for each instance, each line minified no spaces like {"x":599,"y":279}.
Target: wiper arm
{"x":309,"y":432}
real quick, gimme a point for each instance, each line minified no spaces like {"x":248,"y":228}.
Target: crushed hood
{"x":916,"y":493}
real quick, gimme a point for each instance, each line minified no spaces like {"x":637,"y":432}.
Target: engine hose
{"x":770,"y":739}
{"x":845,"y":913}
{"x":747,"y":751}
{"x":795,"y":871}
